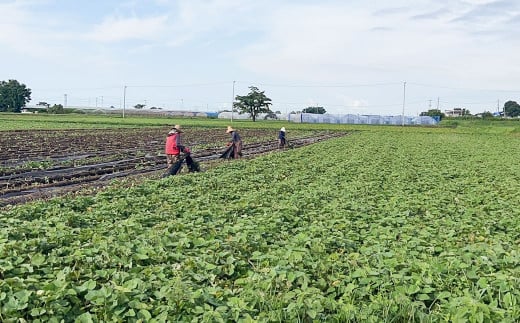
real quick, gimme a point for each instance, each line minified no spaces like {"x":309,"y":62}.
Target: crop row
{"x":66,"y":161}
{"x":371,"y":227}
{"x":55,"y":146}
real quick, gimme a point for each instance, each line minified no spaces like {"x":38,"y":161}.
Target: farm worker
{"x":173,"y":147}
{"x":281,"y":138}
{"x":236,"y":143}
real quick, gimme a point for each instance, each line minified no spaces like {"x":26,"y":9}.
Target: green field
{"x":71,"y":121}
{"x":387,"y":224}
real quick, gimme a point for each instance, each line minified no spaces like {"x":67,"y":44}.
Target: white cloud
{"x":468,"y":43}
{"x":338,"y":42}
{"x":114,"y":29}
{"x":210,"y":20}
{"x":32,"y":37}
{"x":18,"y":33}
{"x":335,"y":43}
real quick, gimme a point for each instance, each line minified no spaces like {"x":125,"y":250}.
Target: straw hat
{"x":176,"y":129}
{"x":229,"y":129}
{"x":283,"y":129}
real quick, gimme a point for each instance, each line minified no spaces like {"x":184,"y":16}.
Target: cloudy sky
{"x":349,"y":56}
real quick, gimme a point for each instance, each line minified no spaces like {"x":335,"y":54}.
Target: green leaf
{"x":130,"y":313}
{"x":37,"y":311}
{"x":137,"y":305}
{"x":38,"y":259}
{"x":144,"y":315}
{"x":443,"y":295}
{"x":412,"y":289}
{"x":423,"y":297}
{"x":140,"y":256}
{"x":132,"y":284}
{"x":84,"y":318}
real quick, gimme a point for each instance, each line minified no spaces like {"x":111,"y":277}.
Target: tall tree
{"x":13,"y":96}
{"x":511,"y":109}
{"x":434,"y":113}
{"x":254,"y":102}
{"x":315,"y":110}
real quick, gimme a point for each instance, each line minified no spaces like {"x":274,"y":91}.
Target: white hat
{"x":283,"y":129}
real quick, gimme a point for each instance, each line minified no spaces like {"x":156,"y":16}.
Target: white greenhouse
{"x":340,"y":118}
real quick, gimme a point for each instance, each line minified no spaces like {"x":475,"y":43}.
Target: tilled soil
{"x":48,"y":163}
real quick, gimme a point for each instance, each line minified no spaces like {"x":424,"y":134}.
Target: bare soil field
{"x":41,"y":164}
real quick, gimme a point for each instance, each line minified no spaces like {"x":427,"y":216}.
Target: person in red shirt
{"x":173,"y":147}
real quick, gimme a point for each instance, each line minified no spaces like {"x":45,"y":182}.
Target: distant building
{"x":456,"y":112}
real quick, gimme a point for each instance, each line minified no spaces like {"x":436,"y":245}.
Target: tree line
{"x":511,"y":110}
{"x":15,"y":95}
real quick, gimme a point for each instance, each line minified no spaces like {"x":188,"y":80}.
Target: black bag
{"x":174,"y":169}
{"x":193,"y":166}
{"x":228,"y":153}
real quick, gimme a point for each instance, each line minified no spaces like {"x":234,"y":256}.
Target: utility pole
{"x":438,"y":100}
{"x":101,"y":102}
{"x":65,"y":100}
{"x":404,"y":101}
{"x":124,"y":100}
{"x":430,"y":106}
{"x":233,"y":102}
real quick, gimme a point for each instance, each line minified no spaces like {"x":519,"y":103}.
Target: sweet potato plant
{"x":372,"y":227}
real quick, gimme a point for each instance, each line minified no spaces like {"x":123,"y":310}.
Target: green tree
{"x":487,"y":115}
{"x":315,"y":110}
{"x":56,"y":109}
{"x":511,"y":109}
{"x":433,"y":113}
{"x":13,"y":96}
{"x":271,"y":115}
{"x":253,"y":103}
{"x":139,"y":106}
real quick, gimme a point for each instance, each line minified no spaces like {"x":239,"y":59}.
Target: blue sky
{"x":347,"y":56}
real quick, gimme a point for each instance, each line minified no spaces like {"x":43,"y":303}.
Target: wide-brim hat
{"x":229,"y":129}
{"x":175,"y":129}
{"x":283,"y":129}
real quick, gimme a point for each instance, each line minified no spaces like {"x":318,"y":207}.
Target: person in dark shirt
{"x":281,"y":138}
{"x":236,"y":143}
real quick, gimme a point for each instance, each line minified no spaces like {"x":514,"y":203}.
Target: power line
{"x":80,"y":89}
{"x":320,"y":85}
{"x":179,"y":85}
{"x":340,"y":105}
{"x":460,"y":88}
